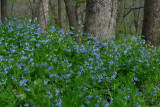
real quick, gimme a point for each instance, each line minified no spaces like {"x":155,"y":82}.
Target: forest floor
{"x":51,"y":69}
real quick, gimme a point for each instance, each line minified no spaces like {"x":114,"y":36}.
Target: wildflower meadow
{"x":53,"y":70}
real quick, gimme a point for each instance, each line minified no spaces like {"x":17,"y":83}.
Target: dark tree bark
{"x":0,"y":10}
{"x":101,"y":18}
{"x":3,"y":9}
{"x":151,"y":22}
{"x":59,"y":14}
{"x":70,"y":10}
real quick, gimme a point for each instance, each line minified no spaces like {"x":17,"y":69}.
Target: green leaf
{"x":87,"y":85}
{"x":38,"y":82}
{"x":9,"y":39}
{"x":21,"y":96}
{"x":120,"y":0}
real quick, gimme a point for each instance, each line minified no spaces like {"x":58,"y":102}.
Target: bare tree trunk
{"x":151,"y":22}
{"x":59,"y":14}
{"x":3,"y":9}
{"x":43,"y":15}
{"x":101,"y":18}
{"x":0,"y":10}
{"x":70,"y":10}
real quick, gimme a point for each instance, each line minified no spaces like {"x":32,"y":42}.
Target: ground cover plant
{"x":51,"y":69}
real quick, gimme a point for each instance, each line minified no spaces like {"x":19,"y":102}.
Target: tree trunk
{"x":0,"y":10}
{"x":70,"y":10}
{"x":43,"y":15}
{"x":3,"y":9}
{"x":59,"y":14}
{"x":101,"y":18}
{"x":151,"y":22}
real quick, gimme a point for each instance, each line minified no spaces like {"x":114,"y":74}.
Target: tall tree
{"x":101,"y":18}
{"x":59,"y":14}
{"x":151,"y":22}
{"x":0,"y":10}
{"x":70,"y":10}
{"x":43,"y":14}
{"x":3,"y":9}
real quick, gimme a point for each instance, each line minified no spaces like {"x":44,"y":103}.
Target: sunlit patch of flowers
{"x":51,"y":69}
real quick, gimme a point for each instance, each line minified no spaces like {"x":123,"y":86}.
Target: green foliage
{"x":120,"y":0}
{"x":51,"y":69}
{"x":78,"y":0}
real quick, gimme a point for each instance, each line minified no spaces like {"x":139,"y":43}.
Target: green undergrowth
{"x":51,"y":69}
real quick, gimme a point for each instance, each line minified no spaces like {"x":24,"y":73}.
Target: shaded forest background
{"x":129,"y":15}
